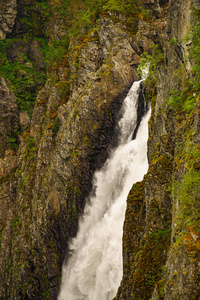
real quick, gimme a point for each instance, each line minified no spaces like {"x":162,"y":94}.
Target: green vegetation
{"x":56,"y":51}
{"x":14,"y":140}
{"x":13,"y":143}
{"x":30,"y":148}
{"x":194,"y":53}
{"x":16,"y":222}
{"x":34,"y":18}
{"x":20,"y":70}
{"x":145,"y":265}
{"x":56,"y":126}
{"x":150,"y":259}
{"x":184,"y":100}
{"x":173,"y":41}
{"x":127,"y":6}
{"x":188,"y":193}
{"x":21,"y":74}
{"x":150,"y":60}
{"x":23,"y":265}
{"x":10,"y":264}
{"x":1,"y":233}
{"x":187,"y":190}
{"x":81,"y":17}
{"x":88,"y":12}
{"x":75,"y":113}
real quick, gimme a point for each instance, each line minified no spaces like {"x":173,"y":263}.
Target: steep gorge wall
{"x":161,"y":229}
{"x":46,"y":170}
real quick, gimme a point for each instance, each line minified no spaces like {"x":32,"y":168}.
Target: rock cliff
{"x":161,"y":229}
{"x":65,"y":69}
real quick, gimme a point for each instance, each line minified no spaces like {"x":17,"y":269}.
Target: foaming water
{"x":94,"y":270}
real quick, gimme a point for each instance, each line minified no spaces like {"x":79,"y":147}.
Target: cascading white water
{"x":94,"y":270}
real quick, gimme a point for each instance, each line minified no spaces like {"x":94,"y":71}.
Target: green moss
{"x":161,"y":166}
{"x":16,"y":222}
{"x":147,"y":269}
{"x":173,"y":42}
{"x":150,"y":60}
{"x":194,"y":52}
{"x":74,"y":214}
{"x":20,"y":73}
{"x":185,"y":184}
{"x":10,"y":264}
{"x":146,"y":255}
{"x":1,"y":233}
{"x":8,"y":177}
{"x":185,"y":99}
{"x":56,"y":126}
{"x":75,"y":113}
{"x":64,"y":89}
{"x":134,"y":220}
{"x":188,"y":192}
{"x":128,"y":7}
{"x":82,"y":18}
{"x":56,"y":52}
{"x":30,"y":147}
{"x":160,"y":288}
{"x":23,"y":265}
{"x":34,"y":17}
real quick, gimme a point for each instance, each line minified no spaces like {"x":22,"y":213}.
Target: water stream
{"x":94,"y":270}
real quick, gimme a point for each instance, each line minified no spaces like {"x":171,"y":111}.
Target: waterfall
{"x":94,"y":270}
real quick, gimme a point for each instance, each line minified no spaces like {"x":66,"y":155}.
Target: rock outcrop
{"x":71,"y":126}
{"x":9,"y":117}
{"x":7,"y":17}
{"x":160,"y":231}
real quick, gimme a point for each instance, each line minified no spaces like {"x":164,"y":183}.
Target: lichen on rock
{"x":7,"y":18}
